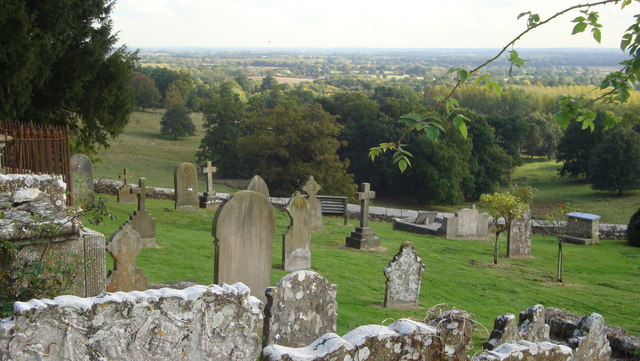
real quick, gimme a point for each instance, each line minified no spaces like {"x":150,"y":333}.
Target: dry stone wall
{"x":197,"y":323}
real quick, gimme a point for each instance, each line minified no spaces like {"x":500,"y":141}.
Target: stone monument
{"x":208,"y":200}
{"x":364,"y":237}
{"x":315,"y":208}
{"x":126,"y":194}
{"x":186,"y":185}
{"x":296,"y":242}
{"x":520,"y":240}
{"x":82,"y":179}
{"x":404,"y":276}
{"x":125,"y":246}
{"x":142,"y":221}
{"x":243,"y":228}
{"x":299,"y":309}
{"x":582,"y":228}
{"x":258,"y":184}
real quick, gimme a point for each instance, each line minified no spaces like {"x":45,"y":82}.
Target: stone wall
{"x":197,"y":323}
{"x":525,"y":350}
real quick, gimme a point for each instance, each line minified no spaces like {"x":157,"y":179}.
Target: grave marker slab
{"x":520,"y":241}
{"x":404,"y":276}
{"x":82,"y":179}
{"x":296,"y":242}
{"x":243,"y":228}
{"x":315,"y":207}
{"x":142,"y":221}
{"x":126,"y":194}
{"x":186,"y":186}
{"x":364,"y":237}
{"x":258,"y":184}
{"x":300,"y":308}
{"x":125,"y":246}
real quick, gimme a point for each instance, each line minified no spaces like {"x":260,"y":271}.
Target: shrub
{"x":633,"y":229}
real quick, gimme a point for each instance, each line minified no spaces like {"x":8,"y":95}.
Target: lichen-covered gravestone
{"x":315,"y":208}
{"x":520,"y":238}
{"x":364,"y":237}
{"x":404,"y":276}
{"x":300,"y":308}
{"x":125,"y":246}
{"x":125,"y":193}
{"x":82,"y":179}
{"x":258,"y":184}
{"x":296,"y":242}
{"x":243,"y":228}
{"x":142,"y":221}
{"x":186,"y":186}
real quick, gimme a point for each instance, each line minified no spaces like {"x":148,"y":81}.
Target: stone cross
{"x":315,"y":208}
{"x":142,"y":192}
{"x":209,"y":170}
{"x":125,"y":246}
{"x":125,"y":177}
{"x":364,"y":196}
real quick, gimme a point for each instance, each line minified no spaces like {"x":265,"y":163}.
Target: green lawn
{"x":603,"y":278}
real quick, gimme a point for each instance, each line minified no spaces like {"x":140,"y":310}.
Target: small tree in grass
{"x":509,"y":206}
{"x":176,"y":122}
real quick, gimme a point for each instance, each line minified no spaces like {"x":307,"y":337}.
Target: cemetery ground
{"x":603,"y":278}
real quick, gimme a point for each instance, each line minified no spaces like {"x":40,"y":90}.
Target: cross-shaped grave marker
{"x":142,"y":192}
{"x":209,"y":170}
{"x":315,"y":208}
{"x":125,"y":177}
{"x":364,"y":196}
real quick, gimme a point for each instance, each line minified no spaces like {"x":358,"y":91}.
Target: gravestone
{"x":258,"y":184}
{"x":315,"y":207}
{"x":582,"y":228}
{"x":142,"y":221}
{"x":404,"y":276}
{"x":467,"y":222}
{"x":520,"y":240}
{"x":126,"y":194}
{"x":208,"y":200}
{"x":243,"y":228}
{"x":185,"y":179}
{"x":296,"y":242}
{"x":364,"y":237}
{"x":82,"y":179}
{"x":125,"y":246}
{"x":300,"y":308}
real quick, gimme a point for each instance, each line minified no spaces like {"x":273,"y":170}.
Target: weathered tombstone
{"x":404,"y":276}
{"x":582,"y":228}
{"x":142,"y":221}
{"x":82,"y":179}
{"x":520,"y":240}
{"x":296,"y":242}
{"x":208,"y":200}
{"x":364,"y":237}
{"x":300,"y":308}
{"x":243,"y":228}
{"x":185,"y":179}
{"x":126,"y":194}
{"x":467,"y":223}
{"x":258,"y":184}
{"x":315,"y":208}
{"x":125,"y":246}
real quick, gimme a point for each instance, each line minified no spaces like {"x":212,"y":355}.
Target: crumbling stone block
{"x":455,"y":328}
{"x":589,"y":340}
{"x":525,"y":350}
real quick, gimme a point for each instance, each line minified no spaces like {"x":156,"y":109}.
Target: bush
{"x":633,"y":229}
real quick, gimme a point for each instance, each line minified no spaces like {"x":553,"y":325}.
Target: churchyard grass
{"x":554,"y":193}
{"x":603,"y":278}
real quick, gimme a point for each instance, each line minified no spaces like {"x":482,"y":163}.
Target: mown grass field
{"x":603,"y":278}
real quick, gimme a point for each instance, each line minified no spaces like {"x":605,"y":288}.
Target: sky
{"x":356,"y":23}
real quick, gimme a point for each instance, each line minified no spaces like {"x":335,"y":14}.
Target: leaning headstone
{"x":404,"y":276}
{"x":296,"y":242}
{"x":198,"y":323}
{"x":582,"y":228}
{"x":258,"y":184}
{"x":300,"y":308}
{"x":208,"y":200}
{"x":125,"y":246}
{"x":125,"y":193}
{"x":243,"y":228}
{"x":315,"y":208}
{"x":520,"y":239}
{"x":82,"y":179}
{"x":364,"y":237}
{"x":185,"y":179}
{"x":142,"y":221}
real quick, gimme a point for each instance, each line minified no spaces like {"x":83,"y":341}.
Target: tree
{"x":58,"y":66}
{"x":576,"y":146}
{"x":177,"y":122}
{"x":615,"y":163}
{"x":508,"y":206}
{"x":147,"y":94}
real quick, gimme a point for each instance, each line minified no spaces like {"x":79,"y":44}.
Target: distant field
{"x":283,"y":79}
